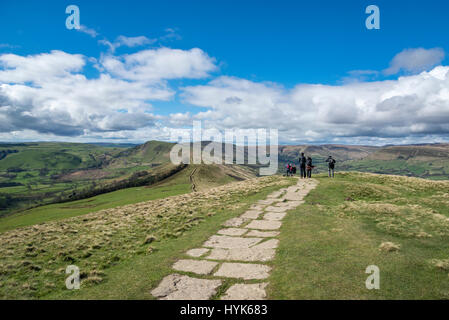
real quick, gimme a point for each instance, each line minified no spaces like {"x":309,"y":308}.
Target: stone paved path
{"x":239,"y":251}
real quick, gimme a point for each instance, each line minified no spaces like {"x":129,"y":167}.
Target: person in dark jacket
{"x":302,"y":165}
{"x":331,"y":164}
{"x":309,"y":167}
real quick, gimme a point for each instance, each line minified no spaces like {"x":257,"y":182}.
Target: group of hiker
{"x":306,"y":166}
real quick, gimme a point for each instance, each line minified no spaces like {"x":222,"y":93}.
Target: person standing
{"x":309,"y":167}
{"x":331,"y":164}
{"x":287,"y":168}
{"x":302,"y":165}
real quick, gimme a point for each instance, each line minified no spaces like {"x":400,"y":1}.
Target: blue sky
{"x":279,"y":45}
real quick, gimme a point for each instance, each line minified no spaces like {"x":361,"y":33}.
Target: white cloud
{"x":48,"y":94}
{"x":127,"y":42}
{"x":415,"y":60}
{"x":415,"y":105}
{"x":91,"y":32}
{"x":134,"y":41}
{"x":162,"y":63}
{"x":37,"y":68}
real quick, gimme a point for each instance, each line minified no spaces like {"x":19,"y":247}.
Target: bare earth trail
{"x":239,"y":251}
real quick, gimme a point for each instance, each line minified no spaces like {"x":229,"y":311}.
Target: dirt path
{"x":240,"y":251}
{"x":192,"y":180}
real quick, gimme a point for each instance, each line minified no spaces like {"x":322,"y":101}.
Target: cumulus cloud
{"x":415,"y":60}
{"x":161,"y":63}
{"x":48,"y":93}
{"x":47,"y":96}
{"x":416,"y":105}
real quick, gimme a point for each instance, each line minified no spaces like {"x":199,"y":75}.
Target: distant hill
{"x":424,"y":160}
{"x":339,"y":152}
{"x":34,"y":174}
{"x":151,"y":153}
{"x":423,"y":152}
{"x":44,"y":172}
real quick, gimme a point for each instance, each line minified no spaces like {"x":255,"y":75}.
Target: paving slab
{"x":294,"y":203}
{"x":267,"y":201}
{"x":274,"y":216}
{"x":195,"y":266}
{"x":264,"y":225}
{"x":276,"y":194}
{"x":251,"y":214}
{"x":240,"y":291}
{"x":243,"y":254}
{"x":294,"y":196}
{"x":284,"y":204}
{"x":262,"y":234}
{"x":197,"y":252}
{"x":234,"y":222}
{"x":181,"y":287}
{"x":257,"y":207}
{"x":276,"y":209}
{"x":232,"y":231}
{"x":227,"y":242}
{"x":269,"y":244}
{"x":245,"y":271}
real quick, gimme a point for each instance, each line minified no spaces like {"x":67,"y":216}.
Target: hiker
{"x":294,"y":170}
{"x":287,"y":167}
{"x":302,"y":165}
{"x":331,"y":163}
{"x":309,"y":167}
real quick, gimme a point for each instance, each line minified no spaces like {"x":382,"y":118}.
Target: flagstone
{"x":245,"y":271}
{"x":181,"y":287}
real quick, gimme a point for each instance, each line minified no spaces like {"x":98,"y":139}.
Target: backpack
{"x":332,"y":163}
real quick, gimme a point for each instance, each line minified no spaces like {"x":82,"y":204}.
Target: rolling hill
{"x":429,"y":161}
{"x":34,"y":174}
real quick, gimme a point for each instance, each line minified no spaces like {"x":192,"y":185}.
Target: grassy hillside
{"x":192,"y":178}
{"x":399,"y":224}
{"x":425,"y":161}
{"x":128,"y":247}
{"x":151,"y":153}
{"x":39,"y":173}
{"x":319,"y":153}
{"x":36,"y":173}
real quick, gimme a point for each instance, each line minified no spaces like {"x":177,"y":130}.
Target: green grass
{"x":39,"y":166}
{"x":109,"y":246}
{"x":80,"y":207}
{"x":327,"y":243}
{"x":436,"y":169}
{"x":205,"y":177}
{"x":142,"y":273}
